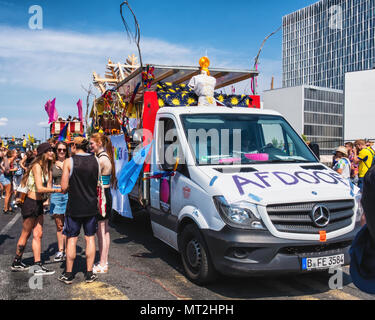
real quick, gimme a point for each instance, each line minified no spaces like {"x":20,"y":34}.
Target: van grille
{"x":295,"y":218}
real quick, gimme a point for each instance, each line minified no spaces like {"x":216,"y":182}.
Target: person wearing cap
{"x":362,"y":251}
{"x":343,"y":164}
{"x":38,"y":181}
{"x":80,"y":180}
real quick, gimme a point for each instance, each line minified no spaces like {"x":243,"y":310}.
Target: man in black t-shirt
{"x":80,"y":180}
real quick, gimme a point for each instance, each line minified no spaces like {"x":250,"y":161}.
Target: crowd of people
{"x":354,"y":160}
{"x":63,"y":180}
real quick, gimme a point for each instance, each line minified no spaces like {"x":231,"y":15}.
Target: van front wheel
{"x":196,"y":261}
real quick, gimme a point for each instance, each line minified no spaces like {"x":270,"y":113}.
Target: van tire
{"x":195,"y":258}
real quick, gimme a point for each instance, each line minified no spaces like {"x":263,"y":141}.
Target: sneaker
{"x":19,"y":266}
{"x":42,"y":270}
{"x":59,"y":256}
{"x":66,"y":278}
{"x":90,"y":277}
{"x":99,"y":269}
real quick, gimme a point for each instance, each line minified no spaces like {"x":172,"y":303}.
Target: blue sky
{"x":78,"y":37}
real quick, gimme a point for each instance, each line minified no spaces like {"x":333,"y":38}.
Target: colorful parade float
{"x":131,"y":95}
{"x":64,"y":129}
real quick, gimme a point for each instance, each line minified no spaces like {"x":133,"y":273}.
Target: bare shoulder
{"x":67,"y":163}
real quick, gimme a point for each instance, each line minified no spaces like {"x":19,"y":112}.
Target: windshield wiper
{"x":288,"y":161}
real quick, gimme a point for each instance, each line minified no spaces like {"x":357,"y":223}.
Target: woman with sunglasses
{"x":59,"y":200}
{"x":39,"y":183}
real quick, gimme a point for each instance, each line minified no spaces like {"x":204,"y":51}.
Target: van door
{"x":167,"y":149}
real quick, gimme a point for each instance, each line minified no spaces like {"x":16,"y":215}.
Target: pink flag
{"x":53,"y":115}
{"x":79,"y":105}
{"x":47,"y":106}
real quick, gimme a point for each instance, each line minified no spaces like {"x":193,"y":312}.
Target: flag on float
{"x":47,"y":107}
{"x":31,"y":138}
{"x":53,"y":115}
{"x":130,"y":172}
{"x":79,"y":105}
{"x":24,"y":144}
{"x":64,"y":132}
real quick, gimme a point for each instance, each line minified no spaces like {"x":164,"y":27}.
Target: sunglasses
{"x":61,"y":150}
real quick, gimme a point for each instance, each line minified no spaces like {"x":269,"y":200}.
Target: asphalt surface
{"x":143,"y":268}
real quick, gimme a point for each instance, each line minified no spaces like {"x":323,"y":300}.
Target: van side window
{"x":169,"y":147}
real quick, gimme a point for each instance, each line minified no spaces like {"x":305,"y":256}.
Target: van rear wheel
{"x":196,"y":261}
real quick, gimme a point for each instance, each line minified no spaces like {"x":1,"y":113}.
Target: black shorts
{"x":72,"y":226}
{"x":32,"y":208}
{"x":108,"y":199}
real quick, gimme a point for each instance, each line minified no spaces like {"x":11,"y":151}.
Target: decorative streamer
{"x":136,"y":37}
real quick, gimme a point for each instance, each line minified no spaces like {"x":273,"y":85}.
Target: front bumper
{"x":237,"y":252}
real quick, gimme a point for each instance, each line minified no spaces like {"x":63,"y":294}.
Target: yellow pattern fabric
{"x":31,"y":181}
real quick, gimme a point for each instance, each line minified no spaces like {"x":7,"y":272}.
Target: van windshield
{"x":243,"y":139}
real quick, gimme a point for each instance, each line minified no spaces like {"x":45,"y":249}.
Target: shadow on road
{"x":5,"y":237}
{"x":139,"y":231}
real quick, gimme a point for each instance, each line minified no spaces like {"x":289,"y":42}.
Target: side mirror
{"x":170,"y":167}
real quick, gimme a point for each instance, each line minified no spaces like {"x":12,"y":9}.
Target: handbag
{"x":102,"y":201}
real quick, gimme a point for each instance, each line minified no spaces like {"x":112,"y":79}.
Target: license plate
{"x":323,"y":262}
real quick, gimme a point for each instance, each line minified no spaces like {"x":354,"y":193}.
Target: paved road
{"x":144,"y":268}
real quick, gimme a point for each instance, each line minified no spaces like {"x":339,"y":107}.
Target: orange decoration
{"x":323,"y":236}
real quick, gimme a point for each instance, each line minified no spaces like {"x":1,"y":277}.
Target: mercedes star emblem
{"x":320,"y":216}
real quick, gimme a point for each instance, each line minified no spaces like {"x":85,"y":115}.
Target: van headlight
{"x":360,"y":210}
{"x":241,"y":215}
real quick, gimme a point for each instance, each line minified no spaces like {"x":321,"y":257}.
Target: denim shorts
{"x":72,"y":226}
{"x":5,"y":180}
{"x":58,"y":203}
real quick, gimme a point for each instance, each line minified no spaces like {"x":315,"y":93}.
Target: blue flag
{"x":130,"y":172}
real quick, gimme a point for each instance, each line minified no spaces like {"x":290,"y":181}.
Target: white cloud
{"x":43,"y":124}
{"x":62,"y":61}
{"x":3,"y":122}
{"x":52,"y":63}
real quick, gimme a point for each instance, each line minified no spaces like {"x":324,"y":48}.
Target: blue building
{"x":327,"y":39}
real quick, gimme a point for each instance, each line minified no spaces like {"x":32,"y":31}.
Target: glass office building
{"x":316,"y":112}
{"x":324,"y":117}
{"x":327,"y":39}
